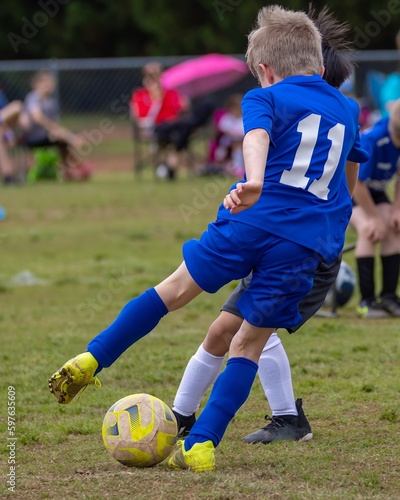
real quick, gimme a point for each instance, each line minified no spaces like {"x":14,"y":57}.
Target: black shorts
{"x":176,"y":133}
{"x":45,"y":142}
{"x":324,"y":278}
{"x":377,"y":196}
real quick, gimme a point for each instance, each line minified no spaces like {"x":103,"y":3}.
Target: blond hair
{"x":286,"y":40}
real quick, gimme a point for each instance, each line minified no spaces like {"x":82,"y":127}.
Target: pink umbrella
{"x":204,"y":74}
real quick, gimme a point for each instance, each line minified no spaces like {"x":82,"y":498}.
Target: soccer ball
{"x":139,"y":430}
{"x":344,"y":286}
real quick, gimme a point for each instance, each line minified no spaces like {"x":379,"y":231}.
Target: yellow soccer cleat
{"x":75,"y":375}
{"x":199,"y":458}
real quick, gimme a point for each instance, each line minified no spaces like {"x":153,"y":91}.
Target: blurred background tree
{"x":43,"y":29}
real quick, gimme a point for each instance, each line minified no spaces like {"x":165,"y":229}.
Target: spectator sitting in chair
{"x":228,"y":150}
{"x":165,"y":116}
{"x":39,"y":122}
{"x":152,"y":106}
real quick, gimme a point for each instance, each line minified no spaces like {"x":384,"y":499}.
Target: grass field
{"x":94,"y":246}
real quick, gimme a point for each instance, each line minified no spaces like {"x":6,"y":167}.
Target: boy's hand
{"x":374,"y":229}
{"x":78,"y":141}
{"x":245,"y":195}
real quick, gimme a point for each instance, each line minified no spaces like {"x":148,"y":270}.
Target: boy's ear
{"x":268,"y":73}
{"x":322,"y":71}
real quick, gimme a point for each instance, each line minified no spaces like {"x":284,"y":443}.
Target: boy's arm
{"x":363,"y":198}
{"x":352,"y":175}
{"x":255,"y":152}
{"x":54,"y":130}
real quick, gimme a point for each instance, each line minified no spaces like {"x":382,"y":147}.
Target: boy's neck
{"x":269,"y":77}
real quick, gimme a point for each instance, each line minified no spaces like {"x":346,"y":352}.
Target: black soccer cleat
{"x":185,"y":424}
{"x":283,"y":428}
{"x":391,"y":304}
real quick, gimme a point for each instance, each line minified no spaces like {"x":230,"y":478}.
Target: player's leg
{"x":229,"y":393}
{"x":390,"y":257}
{"x":203,"y":368}
{"x":6,"y":166}
{"x":233,"y":385}
{"x":274,"y":367}
{"x":274,"y":371}
{"x":273,"y":297}
{"x":139,"y":316}
{"x":288,"y":420}
{"x":210,"y":263}
{"x":365,"y":259}
{"x":205,"y":365}
{"x":8,"y":119}
{"x":72,"y":165}
{"x":9,"y":115}
{"x":144,"y":312}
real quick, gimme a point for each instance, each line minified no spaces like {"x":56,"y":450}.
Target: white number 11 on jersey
{"x":296,"y":176}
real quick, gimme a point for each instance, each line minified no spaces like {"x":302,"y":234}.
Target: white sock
{"x":276,"y":379}
{"x":200,"y":373}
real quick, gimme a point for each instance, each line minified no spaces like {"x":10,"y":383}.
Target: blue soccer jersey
{"x":384,"y":161}
{"x":313,"y":130}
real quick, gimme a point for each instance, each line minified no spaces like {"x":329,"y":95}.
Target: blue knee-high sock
{"x":230,"y":391}
{"x":136,"y":320}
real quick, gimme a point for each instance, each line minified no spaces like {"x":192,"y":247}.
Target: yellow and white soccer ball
{"x":139,"y":430}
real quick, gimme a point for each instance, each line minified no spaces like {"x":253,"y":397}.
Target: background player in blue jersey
{"x":377,"y":220}
{"x":280,"y":222}
{"x":288,"y":420}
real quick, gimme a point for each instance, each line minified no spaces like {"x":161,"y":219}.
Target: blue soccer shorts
{"x":283,"y":271}
{"x":324,"y":279}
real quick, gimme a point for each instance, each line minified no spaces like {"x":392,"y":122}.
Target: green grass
{"x":98,"y":244}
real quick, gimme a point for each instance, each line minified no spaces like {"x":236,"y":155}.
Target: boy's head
{"x":152,"y":74}
{"x":44,"y":82}
{"x":336,"y":49}
{"x":286,"y":41}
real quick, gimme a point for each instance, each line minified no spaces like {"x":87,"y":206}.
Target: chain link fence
{"x":93,"y":90}
{"x":104,"y":86}
{"x":90,"y":86}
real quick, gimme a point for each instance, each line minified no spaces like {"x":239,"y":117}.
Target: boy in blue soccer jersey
{"x":289,"y":213}
{"x":288,"y":421}
{"x":377,"y":220}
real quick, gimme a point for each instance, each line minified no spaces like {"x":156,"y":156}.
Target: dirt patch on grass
{"x":122,"y":163}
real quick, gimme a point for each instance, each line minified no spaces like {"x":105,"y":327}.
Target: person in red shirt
{"x":152,"y":108}
{"x":153,"y":105}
